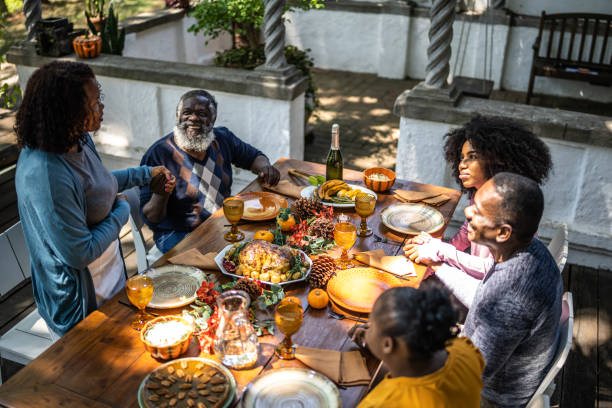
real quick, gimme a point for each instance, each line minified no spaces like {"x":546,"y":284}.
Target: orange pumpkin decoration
{"x":265,"y":235}
{"x":285,"y":219}
{"x":318,"y":299}
{"x":87,"y":46}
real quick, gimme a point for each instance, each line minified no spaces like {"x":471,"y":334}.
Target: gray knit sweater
{"x":514,"y":321}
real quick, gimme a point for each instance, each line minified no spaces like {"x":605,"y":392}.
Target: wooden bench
{"x":573,"y":46}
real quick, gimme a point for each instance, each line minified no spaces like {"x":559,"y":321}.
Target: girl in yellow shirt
{"x":413,"y":332}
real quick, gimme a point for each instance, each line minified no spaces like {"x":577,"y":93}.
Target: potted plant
{"x":95,"y":15}
{"x":112,"y":37}
{"x":243,"y":20}
{"x":87,"y":46}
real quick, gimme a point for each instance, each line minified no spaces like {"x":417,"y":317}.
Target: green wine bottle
{"x":333,"y":170}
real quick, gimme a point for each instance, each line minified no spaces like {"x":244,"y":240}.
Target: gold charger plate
{"x":175,"y":285}
{"x":357,"y":289}
{"x":412,"y":218}
{"x":261,"y":205}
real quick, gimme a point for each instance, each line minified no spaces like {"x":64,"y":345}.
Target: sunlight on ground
{"x":585,"y":330}
{"x":379,"y":112}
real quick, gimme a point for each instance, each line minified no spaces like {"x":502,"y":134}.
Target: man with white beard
{"x":200,"y":157}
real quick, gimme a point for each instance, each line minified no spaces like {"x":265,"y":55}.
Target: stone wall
{"x":390,"y":39}
{"x":578,"y":192}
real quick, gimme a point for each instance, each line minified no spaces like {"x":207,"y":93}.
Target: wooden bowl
{"x":167,"y":351}
{"x":378,"y":186}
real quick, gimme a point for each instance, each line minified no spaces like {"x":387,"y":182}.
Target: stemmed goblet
{"x":232,"y":209}
{"x":345,"y":235}
{"x":139,"y":289}
{"x":288,"y":318}
{"x":364,"y":205}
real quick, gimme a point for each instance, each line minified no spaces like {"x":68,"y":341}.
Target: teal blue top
{"x":53,"y":209}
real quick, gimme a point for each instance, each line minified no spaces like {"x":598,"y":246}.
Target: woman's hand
{"x":422,"y":249}
{"x":162,"y":181}
{"x":357,"y":334}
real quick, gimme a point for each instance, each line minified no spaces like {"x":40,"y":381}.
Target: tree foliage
{"x":242,"y":17}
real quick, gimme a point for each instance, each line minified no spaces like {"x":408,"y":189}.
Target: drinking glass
{"x":345,"y":235}
{"x":139,"y":290}
{"x":364,"y":205}
{"x":233,"y":209}
{"x":288,"y":318}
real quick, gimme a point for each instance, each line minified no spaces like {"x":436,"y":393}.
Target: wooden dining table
{"x":101,"y":362}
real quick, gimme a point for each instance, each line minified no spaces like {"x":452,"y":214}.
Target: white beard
{"x":196,"y":144}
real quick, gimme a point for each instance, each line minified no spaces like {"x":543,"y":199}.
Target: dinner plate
{"x":357,"y":289}
{"x":191,"y":364}
{"x":309,"y":192}
{"x":261,"y":205}
{"x":221,"y":255}
{"x":291,"y":387}
{"x":412,"y":218}
{"x":175,"y":285}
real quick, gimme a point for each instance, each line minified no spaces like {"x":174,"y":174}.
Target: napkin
{"x":437,"y":201}
{"x":342,"y":367}
{"x":193,"y":257}
{"x":397,"y":265}
{"x":285,"y":187}
{"x":409,"y":196}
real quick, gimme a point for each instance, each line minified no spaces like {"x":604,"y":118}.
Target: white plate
{"x":412,"y":218}
{"x":221,"y":255}
{"x":308,"y":192}
{"x":291,"y":387}
{"x":175,"y":285}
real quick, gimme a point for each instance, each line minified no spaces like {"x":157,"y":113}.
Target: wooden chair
{"x":558,"y":246}
{"x":30,"y":337}
{"x":541,"y":398}
{"x":573,"y":46}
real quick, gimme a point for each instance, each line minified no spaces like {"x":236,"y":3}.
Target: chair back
{"x":136,"y":223}
{"x":15,"y":258}
{"x":584,"y":39}
{"x":558,"y":246}
{"x":563,"y":349}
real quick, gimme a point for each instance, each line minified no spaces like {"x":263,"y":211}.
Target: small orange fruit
{"x":285,"y":225}
{"x":265,"y":235}
{"x":291,"y":299}
{"x":318,"y":299}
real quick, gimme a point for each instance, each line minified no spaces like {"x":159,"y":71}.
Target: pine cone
{"x":304,"y":208}
{"x":250,"y":287}
{"x":323,"y":268}
{"x":321,"y":227}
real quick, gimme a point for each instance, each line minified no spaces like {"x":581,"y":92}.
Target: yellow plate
{"x":358,"y":288}
{"x":261,"y":205}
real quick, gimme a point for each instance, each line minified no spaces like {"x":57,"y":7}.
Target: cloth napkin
{"x":397,"y":265}
{"x":409,"y":196}
{"x":342,"y":367}
{"x":193,"y":257}
{"x":285,"y":187}
{"x":433,"y":199}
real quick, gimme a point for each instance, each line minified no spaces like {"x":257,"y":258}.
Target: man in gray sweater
{"x":514,"y":318}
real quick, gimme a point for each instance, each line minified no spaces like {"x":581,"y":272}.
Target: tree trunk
{"x":3,"y":8}
{"x":252,"y":36}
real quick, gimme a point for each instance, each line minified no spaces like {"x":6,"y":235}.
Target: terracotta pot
{"x":87,"y":46}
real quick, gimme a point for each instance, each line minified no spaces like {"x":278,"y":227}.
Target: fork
{"x":387,"y":241}
{"x":339,"y":316}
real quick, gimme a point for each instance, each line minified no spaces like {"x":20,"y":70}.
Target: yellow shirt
{"x":457,"y":384}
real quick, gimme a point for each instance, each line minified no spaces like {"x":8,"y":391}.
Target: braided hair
{"x":54,"y":110}
{"x":503,"y":145}
{"x":423,"y":319}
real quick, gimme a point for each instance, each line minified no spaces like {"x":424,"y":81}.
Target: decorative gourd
{"x":87,"y":46}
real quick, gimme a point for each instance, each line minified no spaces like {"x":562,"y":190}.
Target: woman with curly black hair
{"x":70,"y":211}
{"x":476,"y":152}
{"x":414,"y":333}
